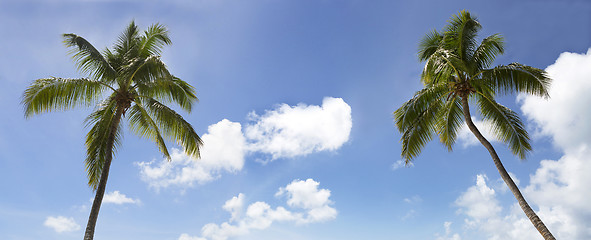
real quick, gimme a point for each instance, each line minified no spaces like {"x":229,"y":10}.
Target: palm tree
{"x":128,"y":81}
{"x":458,"y":71}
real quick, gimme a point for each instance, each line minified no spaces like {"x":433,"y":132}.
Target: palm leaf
{"x":49,"y":94}
{"x":173,"y":90}
{"x":429,"y":45}
{"x":506,"y":125}
{"x":460,"y":34}
{"x":143,"y":125}
{"x":127,"y":45}
{"x":141,"y":70}
{"x":516,"y":77}
{"x":174,"y":127}
{"x":88,"y":60}
{"x":487,"y":51}
{"x":449,"y":121}
{"x":441,"y":67}
{"x":97,"y":144}
{"x":154,"y":38}
{"x":416,"y":120}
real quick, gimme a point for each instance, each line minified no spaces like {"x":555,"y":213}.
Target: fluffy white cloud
{"x":559,"y":188}
{"x":61,"y":224}
{"x":303,"y":195}
{"x":235,"y":206}
{"x":566,"y":115}
{"x":223,"y":149}
{"x":116,"y":197}
{"x":284,"y":132}
{"x":486,"y":218}
{"x":479,"y":201}
{"x":467,"y":138}
{"x":300,"y":130}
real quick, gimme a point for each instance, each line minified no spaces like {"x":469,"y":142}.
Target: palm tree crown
{"x":458,"y":70}
{"x":127,"y":81}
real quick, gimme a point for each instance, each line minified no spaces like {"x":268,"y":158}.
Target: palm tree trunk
{"x":533,"y":217}
{"x":100,"y":191}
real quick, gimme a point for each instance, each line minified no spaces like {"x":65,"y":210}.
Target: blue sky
{"x":296,"y":102}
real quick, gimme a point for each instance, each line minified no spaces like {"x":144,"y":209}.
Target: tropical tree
{"x":128,"y":81}
{"x":458,"y":71}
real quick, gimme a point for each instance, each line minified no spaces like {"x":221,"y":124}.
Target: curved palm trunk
{"x":533,"y":217}
{"x":100,"y":191}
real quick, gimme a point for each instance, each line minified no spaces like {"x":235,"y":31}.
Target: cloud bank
{"x":306,"y":203}
{"x":284,"y":132}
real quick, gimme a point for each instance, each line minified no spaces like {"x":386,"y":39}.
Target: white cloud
{"x":116,"y":197}
{"x":234,"y":206}
{"x":467,"y":138}
{"x":479,"y":201}
{"x":566,"y":115}
{"x":303,"y":195}
{"x":558,"y":188}
{"x":300,"y":130}
{"x":223,"y":149}
{"x":61,"y":224}
{"x":185,"y":236}
{"x":487,"y":219}
{"x":566,"y":217}
{"x":284,"y":132}
{"x":448,"y":235}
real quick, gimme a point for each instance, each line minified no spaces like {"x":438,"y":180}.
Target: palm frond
{"x":154,"y":38}
{"x":174,"y":127}
{"x":506,"y":125}
{"x":449,"y":121}
{"x":48,"y":94}
{"x":460,"y":34}
{"x":97,"y":144}
{"x":487,"y":51}
{"x":127,"y":45}
{"x":429,"y":45}
{"x":516,"y":77}
{"x":173,"y":90}
{"x":441,"y":67}
{"x":420,"y":102}
{"x":143,"y":125}
{"x":88,"y":59}
{"x":141,"y":70}
{"x":416,"y":120}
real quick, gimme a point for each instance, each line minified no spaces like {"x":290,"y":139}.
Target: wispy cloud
{"x":61,"y":224}
{"x":118,"y":198}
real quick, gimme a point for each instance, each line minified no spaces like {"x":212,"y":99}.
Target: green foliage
{"x":135,"y":81}
{"x":457,"y":68}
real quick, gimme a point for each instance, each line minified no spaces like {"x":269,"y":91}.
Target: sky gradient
{"x":296,"y":102}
